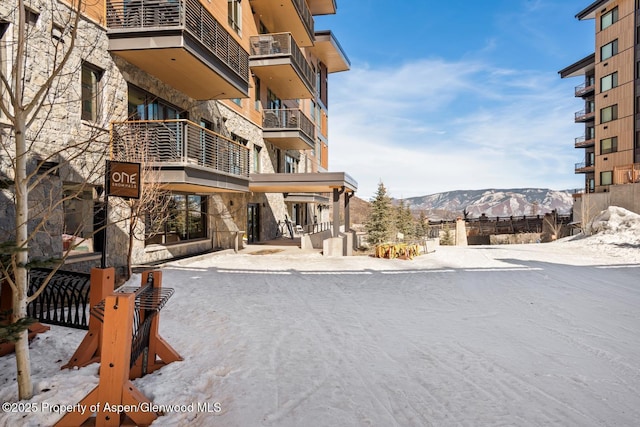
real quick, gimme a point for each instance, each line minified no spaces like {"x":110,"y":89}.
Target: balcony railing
{"x":283,"y":44}
{"x":181,"y":141}
{"x":292,"y":119}
{"x":582,"y":141}
{"x":305,"y":14}
{"x":189,"y":15}
{"x":584,"y":115}
{"x":583,"y":167}
{"x":585,"y":88}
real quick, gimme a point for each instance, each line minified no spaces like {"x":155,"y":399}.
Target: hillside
{"x":492,"y":202}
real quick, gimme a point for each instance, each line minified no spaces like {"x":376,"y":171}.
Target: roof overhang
{"x":306,"y":198}
{"x":196,"y":179}
{"x":579,"y":68}
{"x":590,"y":11}
{"x":323,"y":182}
{"x":328,"y":50}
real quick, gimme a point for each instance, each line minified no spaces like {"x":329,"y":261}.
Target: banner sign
{"x":123,"y":179}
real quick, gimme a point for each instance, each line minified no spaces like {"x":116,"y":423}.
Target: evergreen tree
{"x":404,"y":221}
{"x":421,"y":226}
{"x":379,"y":224}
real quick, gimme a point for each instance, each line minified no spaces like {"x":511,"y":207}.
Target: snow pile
{"x":615,"y":232}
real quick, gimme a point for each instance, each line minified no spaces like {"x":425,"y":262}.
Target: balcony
{"x":584,"y":167}
{"x":583,"y":142}
{"x":187,"y":157}
{"x":584,"y":116}
{"x":288,"y":129}
{"x":585,"y":89}
{"x":322,"y":7}
{"x":284,"y":16}
{"x":329,"y":51}
{"x":181,"y":44}
{"x":278,"y":61}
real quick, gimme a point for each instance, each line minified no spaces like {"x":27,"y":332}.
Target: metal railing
{"x":585,"y":87}
{"x":584,"y":115}
{"x":583,"y":166}
{"x":582,"y":141}
{"x":187,"y":15}
{"x":288,"y":119}
{"x":64,"y":301}
{"x":305,"y":14}
{"x":181,"y":141}
{"x":283,"y":44}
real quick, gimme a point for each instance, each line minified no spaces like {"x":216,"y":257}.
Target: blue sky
{"x":456,"y":95}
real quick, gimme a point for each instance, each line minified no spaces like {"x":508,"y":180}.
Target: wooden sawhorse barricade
{"x":130,"y":347}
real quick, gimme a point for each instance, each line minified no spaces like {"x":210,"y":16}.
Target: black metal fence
{"x":64,"y":300}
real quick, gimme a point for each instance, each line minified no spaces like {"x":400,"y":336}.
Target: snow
{"x":528,"y":335}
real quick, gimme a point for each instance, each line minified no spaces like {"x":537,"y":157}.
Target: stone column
{"x":461,"y":232}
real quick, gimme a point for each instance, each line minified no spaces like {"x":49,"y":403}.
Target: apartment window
{"x":606,"y":178}
{"x":57,"y":32}
{"x":90,"y":89}
{"x":146,"y":106}
{"x":609,"y":145}
{"x":234,"y":10}
{"x":256,"y":158}
{"x":184,"y":219}
{"x":258,"y":101}
{"x":609,"y":18}
{"x":590,"y":133}
{"x":237,"y":101}
{"x":609,"y":82}
{"x":609,"y":113}
{"x":608,"y":50}
{"x":290,"y":164}
{"x":592,"y":185}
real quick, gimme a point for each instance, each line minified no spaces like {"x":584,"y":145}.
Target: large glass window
{"x":608,"y":50}
{"x":185,"y":219}
{"x":606,"y":178}
{"x":609,"y":113}
{"x":609,"y":18}
{"x":290,"y":164}
{"x":609,"y":145}
{"x":234,"y":9}
{"x":78,"y":208}
{"x":90,"y":89}
{"x":609,"y":82}
{"x":146,"y":106}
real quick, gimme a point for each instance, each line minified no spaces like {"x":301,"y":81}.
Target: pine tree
{"x":404,"y":221}
{"x":379,"y":224}
{"x":421,"y":226}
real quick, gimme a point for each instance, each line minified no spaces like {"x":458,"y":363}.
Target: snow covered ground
{"x":527,"y":335}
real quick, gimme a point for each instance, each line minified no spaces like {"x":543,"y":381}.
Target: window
{"x":609,"y":18}
{"x":606,"y":178}
{"x":256,"y":158}
{"x":78,"y":208}
{"x":290,"y":164}
{"x":145,"y":106}
{"x":185,"y":219}
{"x":258,"y":101}
{"x":592,"y":185}
{"x":608,"y":82}
{"x":234,"y":10}
{"x":609,"y":113}
{"x":609,"y":145}
{"x":608,"y":50}
{"x":90,"y":80}
{"x":57,"y":32}
{"x":590,"y":133}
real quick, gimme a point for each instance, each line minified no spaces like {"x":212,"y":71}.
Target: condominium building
{"x":225,"y":100}
{"x":609,"y":91}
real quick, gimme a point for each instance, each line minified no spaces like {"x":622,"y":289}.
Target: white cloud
{"x":432,"y":126}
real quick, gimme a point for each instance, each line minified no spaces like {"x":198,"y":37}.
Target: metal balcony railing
{"x":283,"y":44}
{"x":585,"y":88}
{"x":583,"y":166}
{"x":305,"y":14}
{"x":584,"y":115}
{"x":582,"y":141}
{"x":180,"y":141}
{"x":288,"y":119}
{"x":189,"y":15}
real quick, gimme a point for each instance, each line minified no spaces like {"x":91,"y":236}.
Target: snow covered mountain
{"x":492,"y":202}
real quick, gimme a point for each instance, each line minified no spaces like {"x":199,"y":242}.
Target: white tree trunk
{"x":23,"y":361}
